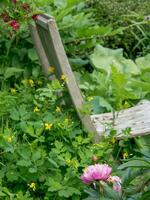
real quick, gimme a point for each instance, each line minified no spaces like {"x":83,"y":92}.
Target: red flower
{"x":35,"y":17}
{"x":14,"y":1}
{"x":14,"y":24}
{"x":5,"y":16}
{"x":25,"y":6}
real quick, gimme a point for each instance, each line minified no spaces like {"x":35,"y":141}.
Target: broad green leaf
{"x":104,"y":58}
{"x":60,"y":3}
{"x":143,"y":62}
{"x":93,"y":31}
{"x":32,"y":54}
{"x":135,"y":163}
{"x":36,"y":71}
{"x":25,"y":163}
{"x":12,"y":71}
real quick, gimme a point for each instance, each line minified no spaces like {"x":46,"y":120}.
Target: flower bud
{"x":94,"y":158}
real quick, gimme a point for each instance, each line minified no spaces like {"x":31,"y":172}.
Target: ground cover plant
{"x":44,"y":151}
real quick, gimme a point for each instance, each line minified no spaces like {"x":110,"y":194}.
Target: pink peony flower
{"x":100,"y":172}
{"x":116,"y":180}
{"x":117,"y":187}
{"x":14,"y":24}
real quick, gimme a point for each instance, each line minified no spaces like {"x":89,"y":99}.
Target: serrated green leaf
{"x":68,"y":191}
{"x":12,"y":175}
{"x":14,"y":114}
{"x":33,"y":170}
{"x":25,"y":163}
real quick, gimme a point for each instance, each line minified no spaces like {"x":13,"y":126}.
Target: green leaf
{"x":143,"y":62}
{"x":32,"y":54}
{"x":60,"y":3}
{"x":68,"y":191}
{"x":53,"y":163}
{"x":14,"y":114}
{"x":12,"y":175}
{"x":36,"y":71}
{"x":54,"y":186}
{"x":24,"y":163}
{"x":94,"y":31}
{"x":30,"y":130}
{"x":36,"y":155}
{"x":135,"y":163}
{"x":104,"y":58}
{"x":111,"y":193}
{"x":33,"y":170}
{"x":12,"y":71}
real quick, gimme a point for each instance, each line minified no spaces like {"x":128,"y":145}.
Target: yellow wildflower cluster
{"x":64,"y":78}
{"x":9,"y":138}
{"x":90,"y":98}
{"x":32,"y":186}
{"x":13,"y":91}
{"x":66,"y":121}
{"x":36,"y":109}
{"x":125,"y":155}
{"x":48,"y":126}
{"x":30,"y":82}
{"x":113,"y":140}
{"x":58,"y":109}
{"x":39,"y":82}
{"x":51,"y":69}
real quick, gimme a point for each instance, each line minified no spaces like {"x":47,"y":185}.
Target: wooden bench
{"x":51,"y":52}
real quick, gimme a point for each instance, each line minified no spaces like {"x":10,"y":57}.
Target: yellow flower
{"x":90,"y":98}
{"x":9,"y":139}
{"x":36,"y":109}
{"x":51,"y":69}
{"x":39,"y":82}
{"x":32,"y":186}
{"x":113,"y":140}
{"x":31,"y":82}
{"x":66,"y":121}
{"x":13,"y":90}
{"x":48,"y":126}
{"x":64,"y":78}
{"x":58,"y":109}
{"x":125,"y":155}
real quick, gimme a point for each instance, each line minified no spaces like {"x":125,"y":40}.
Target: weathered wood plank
{"x":52,"y":44}
{"x":137,"y":118}
{"x":39,"y":49}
